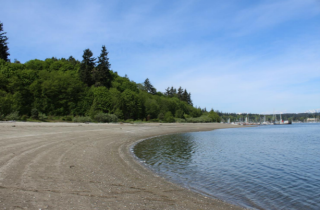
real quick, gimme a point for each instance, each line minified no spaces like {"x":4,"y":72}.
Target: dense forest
{"x":86,"y":90}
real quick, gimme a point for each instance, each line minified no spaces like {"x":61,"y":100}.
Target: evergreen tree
{"x":86,"y":67}
{"x":72,"y":60}
{"x":102,"y":75}
{"x":173,"y":91}
{"x":185,"y":96}
{"x":149,"y":88}
{"x":167,"y":93}
{"x":3,"y":44}
{"x":180,"y":92}
{"x":189,"y":101}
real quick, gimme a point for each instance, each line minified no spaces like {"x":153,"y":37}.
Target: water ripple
{"x":269,"y":167}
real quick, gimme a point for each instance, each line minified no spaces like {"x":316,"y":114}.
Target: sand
{"x":88,"y":166}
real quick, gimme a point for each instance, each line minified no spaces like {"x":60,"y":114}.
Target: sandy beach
{"x":88,"y":166}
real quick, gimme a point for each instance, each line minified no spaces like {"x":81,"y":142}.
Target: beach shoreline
{"x":89,"y":166}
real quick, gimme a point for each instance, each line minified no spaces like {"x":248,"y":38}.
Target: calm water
{"x":267,"y":167}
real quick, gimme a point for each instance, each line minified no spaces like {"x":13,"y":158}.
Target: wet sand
{"x":88,"y":166}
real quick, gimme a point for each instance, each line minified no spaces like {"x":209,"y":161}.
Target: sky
{"x":242,"y":56}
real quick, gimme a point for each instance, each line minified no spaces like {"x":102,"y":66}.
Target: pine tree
{"x":167,"y":93}
{"x":4,"y":50}
{"x":72,"y":60}
{"x":102,"y":75}
{"x":180,"y":92}
{"x":173,"y":91}
{"x":185,"y":96}
{"x":149,"y":88}
{"x":189,"y":101}
{"x":86,"y":67}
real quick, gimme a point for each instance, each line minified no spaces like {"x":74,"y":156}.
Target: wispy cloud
{"x":239,"y":56}
{"x":273,"y":13}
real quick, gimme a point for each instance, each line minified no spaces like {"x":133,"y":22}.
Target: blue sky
{"x":234,"y":56}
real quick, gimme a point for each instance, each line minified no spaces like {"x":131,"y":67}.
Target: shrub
{"x":138,"y":122}
{"x":82,"y":119}
{"x":119,"y":113}
{"x":202,"y":119}
{"x":67,"y":118}
{"x":24,"y":118}
{"x":34,"y":113}
{"x":179,"y":114}
{"x":104,"y":117}
{"x":168,"y":117}
{"x":161,"y":116}
{"x":13,"y":116}
{"x":113,"y":118}
{"x":179,"y":120}
{"x":129,"y":121}
{"x":214,"y":116}
{"x":42,"y":116}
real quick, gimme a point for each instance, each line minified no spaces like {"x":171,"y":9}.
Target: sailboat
{"x":281,"y":122}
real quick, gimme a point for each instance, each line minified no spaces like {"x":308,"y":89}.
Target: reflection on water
{"x":172,"y":150}
{"x":270,"y":167}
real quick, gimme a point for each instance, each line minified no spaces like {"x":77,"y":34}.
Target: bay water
{"x":265,"y":167}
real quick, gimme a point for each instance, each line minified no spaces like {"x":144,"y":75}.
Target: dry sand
{"x":88,"y":166}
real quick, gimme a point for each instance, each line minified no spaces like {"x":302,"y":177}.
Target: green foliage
{"x":66,"y":87}
{"x":13,"y":116}
{"x":101,"y":74}
{"x":129,"y":121}
{"x":35,"y":64}
{"x":82,"y":119}
{"x":43,"y":116}
{"x":101,"y":102}
{"x":214,"y":116}
{"x":196,"y":112}
{"x":130,"y":105}
{"x":119,"y":113}
{"x":87,"y":67}
{"x":123,"y":83}
{"x":104,"y":117}
{"x":179,"y":120}
{"x":168,"y":117}
{"x":152,"y":108}
{"x":202,"y":119}
{"x":148,"y":87}
{"x":179,"y":114}
{"x":182,"y":95}
{"x":161,"y":116}
{"x":23,"y":118}
{"x":67,"y":118}
{"x":57,"y":93}
{"x":34,"y":113}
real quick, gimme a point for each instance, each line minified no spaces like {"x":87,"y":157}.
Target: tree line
{"x":234,"y":117}
{"x":88,"y":89}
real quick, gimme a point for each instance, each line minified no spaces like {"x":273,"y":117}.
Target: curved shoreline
{"x":88,"y":166}
{"x":148,"y":167}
